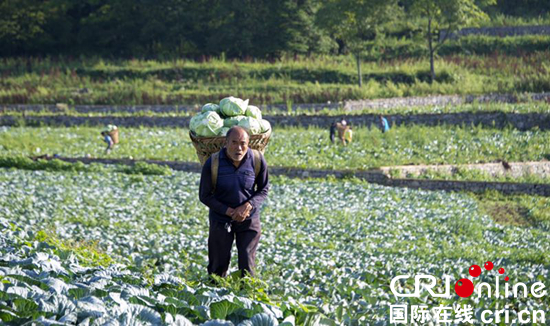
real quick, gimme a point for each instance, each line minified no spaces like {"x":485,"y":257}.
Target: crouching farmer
{"x":108,"y":140}
{"x":234,"y":184}
{"x":110,"y":137}
{"x":345,"y":133}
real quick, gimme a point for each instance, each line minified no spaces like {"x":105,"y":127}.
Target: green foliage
{"x":524,"y":104}
{"x":88,"y":253}
{"x":519,"y":210}
{"x":488,"y":45}
{"x":370,"y":148}
{"x":354,"y":22}
{"x":143,"y":168}
{"x":169,"y":28}
{"x":450,"y":15}
{"x":25,"y":163}
{"x":316,"y":79}
{"x":308,"y":269}
{"x":200,"y":29}
{"x":21,"y":22}
{"x":524,"y":9}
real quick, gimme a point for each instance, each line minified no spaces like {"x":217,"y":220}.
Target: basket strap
{"x":215,"y":164}
{"x":257,"y":162}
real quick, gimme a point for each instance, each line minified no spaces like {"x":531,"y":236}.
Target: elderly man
{"x":234,"y":196}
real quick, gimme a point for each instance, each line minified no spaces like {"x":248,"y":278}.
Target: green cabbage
{"x":233,"y":121}
{"x":210,"y":107}
{"x":110,"y":128}
{"x":251,"y":125}
{"x":206,"y":124}
{"x":254,"y":112}
{"x":195,"y":121}
{"x":232,"y":106}
{"x":263,"y":319}
{"x":223,"y":131}
{"x":265,"y":125}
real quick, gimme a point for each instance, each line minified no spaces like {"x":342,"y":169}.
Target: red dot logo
{"x":488,"y":265}
{"x":501,"y":270}
{"x":506,"y":278}
{"x":475,"y":270}
{"x":464,"y":287}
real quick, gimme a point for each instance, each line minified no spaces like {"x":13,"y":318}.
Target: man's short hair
{"x":233,"y":129}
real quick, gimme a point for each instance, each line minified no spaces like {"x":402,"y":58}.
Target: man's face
{"x":237,"y":145}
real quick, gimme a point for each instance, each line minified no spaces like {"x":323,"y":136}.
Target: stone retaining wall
{"x":375,"y":176}
{"x":473,"y":186}
{"x":521,"y":121}
{"x":131,"y":109}
{"x":379,"y":104}
{"x":443,"y":100}
{"x":514,"y":170}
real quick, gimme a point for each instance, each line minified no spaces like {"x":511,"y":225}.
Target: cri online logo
{"x":465,"y":287}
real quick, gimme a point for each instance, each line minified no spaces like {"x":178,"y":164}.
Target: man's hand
{"x":230,"y":212}
{"x":242,"y":212}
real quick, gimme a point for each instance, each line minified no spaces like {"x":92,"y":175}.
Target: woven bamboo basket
{"x":114,"y":135}
{"x":206,"y":146}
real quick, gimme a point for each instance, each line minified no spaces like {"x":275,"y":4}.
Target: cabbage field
{"x":117,"y":249}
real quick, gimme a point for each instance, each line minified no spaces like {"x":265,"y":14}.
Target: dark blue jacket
{"x":235,"y":186}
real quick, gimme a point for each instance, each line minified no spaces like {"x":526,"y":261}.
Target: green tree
{"x":521,"y":8}
{"x":355,"y":23}
{"x":113,"y":26}
{"x":21,"y":21}
{"x":448,"y":15}
{"x":305,"y":36}
{"x":259,"y":28}
{"x":161,"y":28}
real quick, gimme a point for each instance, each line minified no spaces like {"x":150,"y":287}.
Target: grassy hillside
{"x":504,"y":65}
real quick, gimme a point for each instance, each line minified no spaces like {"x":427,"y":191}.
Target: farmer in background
{"x":344,"y":132}
{"x":109,"y":140}
{"x":384,"y":125}
{"x":110,"y":136}
{"x":234,"y":199}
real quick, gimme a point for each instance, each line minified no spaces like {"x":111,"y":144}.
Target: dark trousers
{"x":220,"y":243}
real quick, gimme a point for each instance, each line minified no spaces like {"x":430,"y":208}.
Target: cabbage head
{"x":232,"y":106}
{"x":194,"y":121}
{"x":207,"y":124}
{"x":265,"y":125}
{"x":251,"y":125}
{"x":254,"y":112}
{"x":223,"y":131}
{"x":233,"y":121}
{"x":210,"y":107}
{"x":110,"y":128}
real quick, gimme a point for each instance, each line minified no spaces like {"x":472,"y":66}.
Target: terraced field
{"x":370,"y":148}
